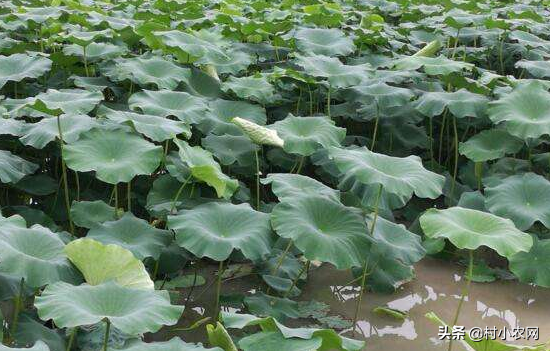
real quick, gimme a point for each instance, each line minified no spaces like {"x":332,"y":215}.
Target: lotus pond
{"x":252,"y":175}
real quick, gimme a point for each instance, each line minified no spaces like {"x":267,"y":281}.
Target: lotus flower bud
{"x":258,"y":134}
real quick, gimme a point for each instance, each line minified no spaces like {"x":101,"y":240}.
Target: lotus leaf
{"x":114,"y":155}
{"x":13,"y":168}
{"x":470,"y":229}
{"x":489,"y":145}
{"x":17,"y":67}
{"x":164,"y":103}
{"x":215,"y":229}
{"x":100,"y":263}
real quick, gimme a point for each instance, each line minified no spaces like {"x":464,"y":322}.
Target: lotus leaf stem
{"x":18,"y":302}
{"x":305,"y":268}
{"x":465,"y":291}
{"x":179,"y":193}
{"x":107,"y":331}
{"x":64,"y":177}
{"x":71,"y":339}
{"x":257,"y":180}
{"x":218,"y":291}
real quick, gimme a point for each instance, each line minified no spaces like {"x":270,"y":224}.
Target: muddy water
{"x":436,"y":288}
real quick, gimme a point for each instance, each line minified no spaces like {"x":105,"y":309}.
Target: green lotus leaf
{"x":402,"y":176}
{"x":533,"y":267}
{"x":174,"y":344}
{"x":321,"y":41}
{"x":100,"y":263}
{"x":192,"y":45}
{"x":81,"y":36}
{"x":254,"y":88}
{"x":275,"y":341}
{"x":133,"y":234}
{"x":287,"y":186}
{"x":10,"y":126}
{"x":490,"y":145}
{"x":98,"y":84}
{"x":164,"y":103}
{"x":383,"y":95}
{"x":89,"y":213}
{"x":538,"y":69}
{"x":38,"y":346}
{"x":323,"y":230}
{"x":34,"y":254}
{"x":154,"y":127}
{"x":95,"y":52}
{"x":69,"y":101}
{"x":39,"y":134}
{"x":259,"y":134}
{"x":269,"y":306}
{"x":31,"y":330}
{"x":461,"y":103}
{"x":522,"y":198}
{"x":132,"y":311}
{"x":230,"y":149}
{"x":337,"y":74}
{"x":218,"y":121}
{"x":148,"y":70}
{"x":218,"y":336}
{"x":330,"y":339}
{"x":39,"y":184}
{"x":305,"y":135}
{"x":215,"y":229}
{"x":394,"y":241}
{"x":13,"y":168}
{"x":388,"y":275}
{"x":440,"y":65}
{"x":236,"y":62}
{"x":470,"y":229}
{"x":114,"y":155}
{"x":16,"y":67}
{"x":204,"y":168}
{"x":525,"y":111}
{"x":529,"y":40}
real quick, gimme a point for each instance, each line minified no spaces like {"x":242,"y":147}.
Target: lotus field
{"x":174,"y":173}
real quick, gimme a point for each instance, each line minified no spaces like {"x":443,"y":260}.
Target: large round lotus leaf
{"x":10,"y":126}
{"x":321,"y":41}
{"x":287,"y":186}
{"x":204,"y":168}
{"x":235,"y":62}
{"x":490,"y":144}
{"x":96,"y":51}
{"x":440,"y":65}
{"x":13,"y":168}
{"x":526,"y":111}
{"x":524,"y":199}
{"x":132,"y":311}
{"x":331,"y":68}
{"x":133,"y":234}
{"x":164,"y":103}
{"x":69,"y":101}
{"x":253,"y":88}
{"x":529,"y":40}
{"x":533,"y":267}
{"x":114,"y":155}
{"x":385,"y":96}
{"x":387,"y":275}
{"x":538,"y":69}
{"x":89,"y":213}
{"x":100,"y":263}
{"x":231,"y":148}
{"x":34,"y":254}
{"x":39,"y":134}
{"x":305,"y":135}
{"x":82,"y":36}
{"x":174,"y":344}
{"x":148,"y":70}
{"x":39,"y":184}
{"x":38,"y":346}
{"x":154,"y":127}
{"x":259,"y":134}
{"x":461,"y":103}
{"x":394,"y":241}
{"x":323,"y":229}
{"x":215,"y":229}
{"x":275,"y":341}
{"x":401,"y":176}
{"x":192,"y":45}
{"x":17,"y":67}
{"x":218,"y":120}
{"x":98,"y":84}
{"x":470,"y":229}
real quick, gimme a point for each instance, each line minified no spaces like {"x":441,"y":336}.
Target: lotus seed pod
{"x":258,"y":134}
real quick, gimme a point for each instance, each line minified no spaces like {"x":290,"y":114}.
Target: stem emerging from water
{"x":365,"y":264}
{"x":257,"y":180}
{"x":218,"y":291}
{"x":465,"y":292}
